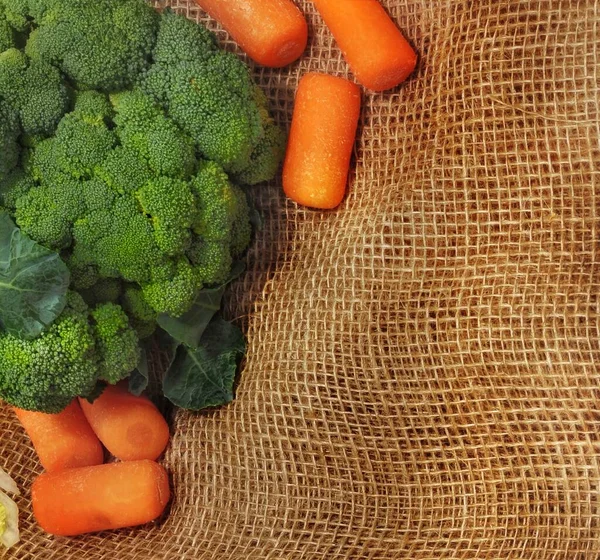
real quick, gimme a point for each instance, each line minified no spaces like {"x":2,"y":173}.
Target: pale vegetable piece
{"x":7,"y":483}
{"x":9,"y":521}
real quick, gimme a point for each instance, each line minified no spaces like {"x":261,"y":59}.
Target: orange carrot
{"x":98,"y":498}
{"x":377,"y":52}
{"x":64,"y":440}
{"x":326,"y":113}
{"x":130,"y":427}
{"x":272,"y":32}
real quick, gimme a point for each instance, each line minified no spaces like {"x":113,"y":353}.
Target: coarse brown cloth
{"x":421,"y":378}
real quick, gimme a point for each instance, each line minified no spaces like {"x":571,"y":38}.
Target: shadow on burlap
{"x":420,"y":380}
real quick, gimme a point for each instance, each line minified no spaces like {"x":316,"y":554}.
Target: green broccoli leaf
{"x":33,"y":283}
{"x":190,"y":327}
{"x":138,"y":379}
{"x":204,"y":377}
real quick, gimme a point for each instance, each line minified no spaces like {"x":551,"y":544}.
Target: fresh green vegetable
{"x":210,"y":94}
{"x":35,"y":88}
{"x":33,"y":283}
{"x":98,"y":45}
{"x":204,"y":376}
{"x":7,"y":33}
{"x":9,"y":133}
{"x":67,"y":360}
{"x":189,"y":328}
{"x":126,"y":134}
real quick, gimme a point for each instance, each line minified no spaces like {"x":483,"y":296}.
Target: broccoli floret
{"x":223,"y":217}
{"x":204,"y":103}
{"x":19,"y":13}
{"x":82,"y":144}
{"x":97,"y":195}
{"x":241,"y":227}
{"x":143,"y":128}
{"x":15,"y":13}
{"x":172,"y":209}
{"x":212,"y":260}
{"x":175,"y":295}
{"x":47,"y":213}
{"x":35,"y":88}
{"x":119,"y":241}
{"x":216,"y":201}
{"x":124,"y":171}
{"x":9,"y":133}
{"x":211,"y":96}
{"x":266,"y":156}
{"x":7,"y":33}
{"x":135,"y":304}
{"x":117,"y":343}
{"x":83,"y":275}
{"x":207,"y":92}
{"x":42,"y":163}
{"x":15,"y":185}
{"x":179,"y":39}
{"x":101,"y":45}
{"x":141,"y":316}
{"x":93,"y":106}
{"x":46,"y":373}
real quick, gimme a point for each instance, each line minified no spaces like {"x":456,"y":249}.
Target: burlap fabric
{"x":421,"y":379}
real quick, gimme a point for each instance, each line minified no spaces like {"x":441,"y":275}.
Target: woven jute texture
{"x":421,"y":378}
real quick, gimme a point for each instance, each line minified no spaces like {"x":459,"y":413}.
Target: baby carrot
{"x":326,"y":113}
{"x":130,"y":427}
{"x":273,"y":32}
{"x":377,"y":52}
{"x":64,"y":440}
{"x":101,"y":497}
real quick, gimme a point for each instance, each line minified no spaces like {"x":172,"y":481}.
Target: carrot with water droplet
{"x":326,"y":113}
{"x":98,"y":498}
{"x":64,"y":440}
{"x":272,"y":32}
{"x":375,"y":49}
{"x":130,"y":427}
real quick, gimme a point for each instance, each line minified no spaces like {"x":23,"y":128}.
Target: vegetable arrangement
{"x":128,"y":140}
{"x":119,"y":195}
